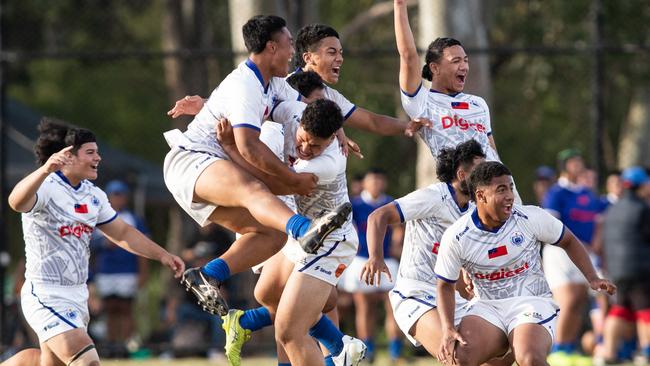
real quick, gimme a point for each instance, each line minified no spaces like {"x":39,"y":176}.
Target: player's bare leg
{"x":572,"y":299}
{"x":63,"y":348}
{"x":427,"y":331}
{"x":26,"y":357}
{"x":300,"y":308}
{"x":531,"y":343}
{"x":484,"y":341}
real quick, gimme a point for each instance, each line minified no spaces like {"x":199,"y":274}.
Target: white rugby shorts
{"x":507,"y":314}
{"x":51,"y":309}
{"x":350,"y":281}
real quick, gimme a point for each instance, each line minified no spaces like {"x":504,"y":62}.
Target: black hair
{"x":260,"y":29}
{"x":376,"y":171}
{"x":322,"y":118}
{"x":450,"y":159}
{"x":54,"y":135}
{"x":308,"y":39}
{"x":305,"y":82}
{"x":434,"y":53}
{"x":483,"y":174}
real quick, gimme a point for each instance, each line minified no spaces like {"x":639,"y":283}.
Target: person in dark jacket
{"x":626,"y":239}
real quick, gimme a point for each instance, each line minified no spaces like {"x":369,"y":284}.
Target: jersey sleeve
{"x":285,"y":91}
{"x":272,"y":135}
{"x":448,"y":263}
{"x":245,"y":106}
{"x":418,"y":204}
{"x":414,"y":104}
{"x":545,"y":227}
{"x":284,"y":112}
{"x":43,"y":195}
{"x":325,"y":166}
{"x":106,"y":212}
{"x":488,"y":120}
{"x":347,"y":107}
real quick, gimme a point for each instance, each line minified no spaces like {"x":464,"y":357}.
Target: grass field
{"x":252,"y":361}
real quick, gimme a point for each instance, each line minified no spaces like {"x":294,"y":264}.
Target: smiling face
{"x":309,"y":146}
{"x":450,"y":72}
{"x":84,"y":163}
{"x":326,"y":60}
{"x":282,"y":51}
{"x":496,"y":199}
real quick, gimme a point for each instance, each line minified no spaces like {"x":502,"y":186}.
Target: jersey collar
{"x":453,"y":95}
{"x":251,"y":65}
{"x":453,"y":196}
{"x":480,"y":226}
{"x":65,"y":179}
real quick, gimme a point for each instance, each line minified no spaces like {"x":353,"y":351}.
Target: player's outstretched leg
{"x":320,"y":228}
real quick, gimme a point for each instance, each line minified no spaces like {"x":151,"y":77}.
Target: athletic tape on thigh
{"x":88,"y":354}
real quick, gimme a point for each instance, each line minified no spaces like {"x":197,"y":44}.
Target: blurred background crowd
{"x":568,"y":85}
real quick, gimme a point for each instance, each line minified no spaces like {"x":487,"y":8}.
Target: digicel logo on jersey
{"x":75,"y":230}
{"x":463,"y":124}
{"x":501,"y":273}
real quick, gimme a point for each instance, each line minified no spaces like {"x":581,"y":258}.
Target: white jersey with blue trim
{"x":243,"y":100}
{"x":58,"y":228}
{"x":347,"y":107}
{"x":332,"y":188}
{"x":427,"y":212}
{"x":272,"y":135}
{"x":504,"y":262}
{"x":455,"y":119}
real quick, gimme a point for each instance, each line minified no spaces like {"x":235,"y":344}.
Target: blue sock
{"x":255,"y":319}
{"x":395,"y":348}
{"x":297,"y":226}
{"x":626,"y":349}
{"x":645,"y":351}
{"x":563,"y":347}
{"x":370,"y":343}
{"x":284,"y":364}
{"x":217,"y":268}
{"x":328,"y":361}
{"x":328,"y":335}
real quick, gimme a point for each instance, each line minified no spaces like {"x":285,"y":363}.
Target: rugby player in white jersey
{"x":427,"y":212}
{"x":299,"y":312}
{"x":498,"y":244}
{"x":60,"y":210}
{"x":211,"y":188}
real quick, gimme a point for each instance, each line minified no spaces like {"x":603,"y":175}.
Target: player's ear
{"x":270,"y":45}
{"x":307,"y":58}
{"x":435,"y":71}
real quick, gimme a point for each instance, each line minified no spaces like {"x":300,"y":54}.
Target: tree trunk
{"x":462,"y":20}
{"x":634,"y":148}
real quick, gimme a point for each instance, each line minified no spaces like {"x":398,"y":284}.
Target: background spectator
{"x":367,"y":298}
{"x":626,"y":237}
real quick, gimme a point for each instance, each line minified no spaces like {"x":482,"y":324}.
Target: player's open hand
{"x":58,"y":160}
{"x":372,"y":270}
{"x":189,"y":105}
{"x":446,"y":353}
{"x":354,"y":148}
{"x":175,"y":263}
{"x":601,"y":284}
{"x":415,"y":125}
{"x":225,"y":134}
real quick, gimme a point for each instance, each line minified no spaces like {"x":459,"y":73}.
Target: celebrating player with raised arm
{"x":498,"y":244}
{"x":60,"y":210}
{"x":209,"y":187}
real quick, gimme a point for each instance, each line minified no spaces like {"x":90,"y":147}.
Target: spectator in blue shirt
{"x":119,"y":274}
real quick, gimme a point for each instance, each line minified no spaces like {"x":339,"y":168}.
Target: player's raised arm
{"x":378,"y":222}
{"x":410,"y":72}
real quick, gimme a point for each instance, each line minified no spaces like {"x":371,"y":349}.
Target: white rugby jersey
{"x":347,"y":107}
{"x":272,"y":135}
{"x":455,"y":119}
{"x":428,"y":212}
{"x":58,"y":228}
{"x":332,"y":188}
{"x":504,"y":262}
{"x":243,"y":100}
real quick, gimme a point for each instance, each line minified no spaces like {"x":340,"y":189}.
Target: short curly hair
{"x":308,"y":39}
{"x":260,"y":29}
{"x":322,"y":118}
{"x":483,"y":174}
{"x":54,"y":135}
{"x":434,"y":53}
{"x":305,"y":82}
{"x":450,"y":159}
